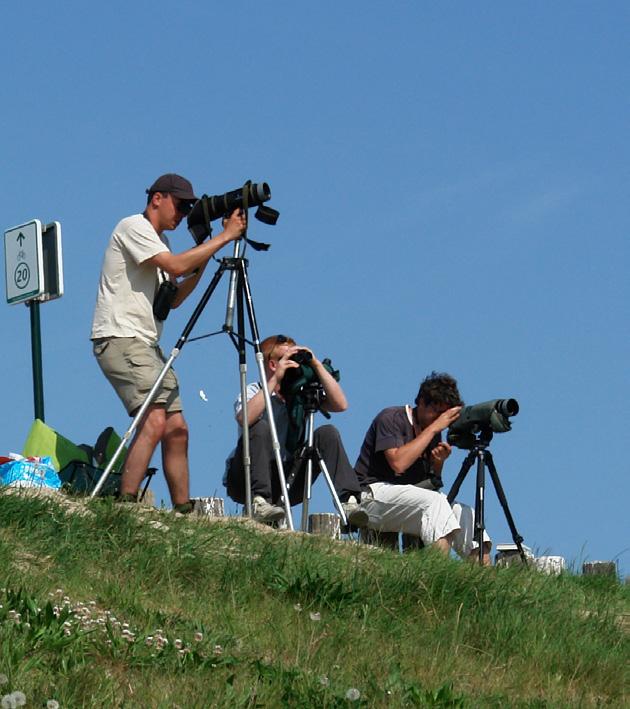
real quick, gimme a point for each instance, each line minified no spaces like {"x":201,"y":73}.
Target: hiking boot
{"x":184,"y":508}
{"x":355,"y":514}
{"x":265,"y":512}
{"x":127,"y":497}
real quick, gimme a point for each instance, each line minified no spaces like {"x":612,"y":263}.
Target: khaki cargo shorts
{"x":132,"y":368}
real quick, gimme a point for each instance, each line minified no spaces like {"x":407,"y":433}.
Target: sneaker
{"x":265,"y":512}
{"x":355,"y":514}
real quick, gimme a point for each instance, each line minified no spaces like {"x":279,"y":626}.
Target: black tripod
{"x":479,"y":452}
{"x":241,"y":294}
{"x":309,"y":454}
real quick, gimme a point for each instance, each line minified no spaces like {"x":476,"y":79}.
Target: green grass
{"x":152,"y":610}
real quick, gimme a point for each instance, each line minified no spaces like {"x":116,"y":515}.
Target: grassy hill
{"x":104,"y":606}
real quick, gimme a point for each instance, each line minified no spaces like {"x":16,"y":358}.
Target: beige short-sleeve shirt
{"x":127,"y":286}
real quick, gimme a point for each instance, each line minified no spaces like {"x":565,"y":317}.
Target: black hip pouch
{"x":163,"y":300}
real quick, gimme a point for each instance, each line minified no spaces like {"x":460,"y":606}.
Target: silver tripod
{"x":309,"y":454}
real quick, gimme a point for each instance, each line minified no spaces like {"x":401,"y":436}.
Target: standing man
{"x":278,"y":351}
{"x":401,"y":460}
{"x":126,"y":330}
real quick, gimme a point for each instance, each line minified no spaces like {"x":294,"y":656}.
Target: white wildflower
{"x":198,"y":637}
{"x":8,"y":702}
{"x":20,"y":698}
{"x":297,"y":607}
{"x":353,"y":694}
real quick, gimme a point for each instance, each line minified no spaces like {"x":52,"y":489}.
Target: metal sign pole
{"x":36,"y":356}
{"x":34,"y":273}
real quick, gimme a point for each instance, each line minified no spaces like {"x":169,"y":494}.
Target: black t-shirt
{"x":391,"y":429}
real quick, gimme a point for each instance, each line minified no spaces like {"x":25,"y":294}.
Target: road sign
{"x":53,"y":261}
{"x":24,"y":263}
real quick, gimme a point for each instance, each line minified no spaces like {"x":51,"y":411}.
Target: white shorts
{"x":421,"y":513}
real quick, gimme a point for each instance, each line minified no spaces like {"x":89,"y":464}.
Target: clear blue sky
{"x":453,"y":183}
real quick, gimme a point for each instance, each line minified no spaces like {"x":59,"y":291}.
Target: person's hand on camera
{"x":285,"y":362}
{"x":314,"y":361}
{"x":235,"y":225}
{"x":439,"y":454}
{"x":445,"y":419}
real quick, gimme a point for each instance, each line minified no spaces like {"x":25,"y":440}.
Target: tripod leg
{"x":466,"y":465}
{"x":154,"y":389}
{"x":518,"y":539}
{"x":263,"y":381}
{"x":331,"y":487}
{"x":308,"y":485}
{"x":308,"y":478}
{"x":232,"y":291}
{"x":480,"y":502}
{"x":242,"y":359}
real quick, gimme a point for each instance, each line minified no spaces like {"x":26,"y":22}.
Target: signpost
{"x":24,"y":263}
{"x":34,"y":274}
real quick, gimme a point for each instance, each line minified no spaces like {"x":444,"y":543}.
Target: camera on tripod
{"x":304,"y":393}
{"x":480,"y":421}
{"x":207,"y":209}
{"x":298,"y":380}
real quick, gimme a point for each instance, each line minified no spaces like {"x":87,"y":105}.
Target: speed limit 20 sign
{"x":24,"y":262}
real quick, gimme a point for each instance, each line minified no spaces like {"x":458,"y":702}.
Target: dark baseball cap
{"x":173,"y":184}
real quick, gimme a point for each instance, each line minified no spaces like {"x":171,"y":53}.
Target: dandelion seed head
{"x":353,"y":694}
{"x":52,"y":704}
{"x":324,"y":681}
{"x":8,"y":702}
{"x":315,"y":616}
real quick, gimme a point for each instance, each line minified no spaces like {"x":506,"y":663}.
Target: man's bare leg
{"x":175,"y":457}
{"x":144,"y":443}
{"x":444,"y":544}
{"x":474,"y":554}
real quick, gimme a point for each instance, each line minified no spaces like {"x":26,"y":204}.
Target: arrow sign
{"x":24,"y":262}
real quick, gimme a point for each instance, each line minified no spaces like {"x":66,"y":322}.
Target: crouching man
{"x":278,"y":351}
{"x":401,"y":461}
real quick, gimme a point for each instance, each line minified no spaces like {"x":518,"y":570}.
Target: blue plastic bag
{"x":30,"y":473}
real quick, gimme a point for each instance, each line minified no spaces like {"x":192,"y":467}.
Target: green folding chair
{"x":80,"y":466}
